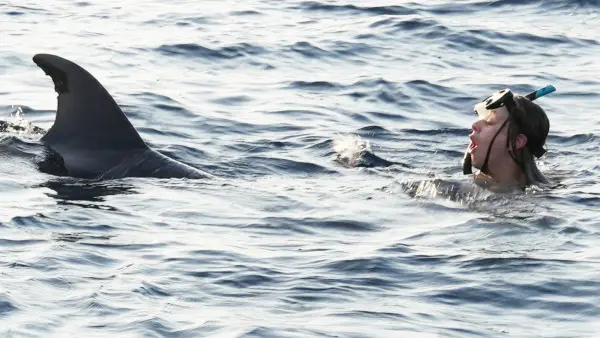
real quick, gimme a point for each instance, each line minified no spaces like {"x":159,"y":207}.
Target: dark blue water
{"x":277,"y":98}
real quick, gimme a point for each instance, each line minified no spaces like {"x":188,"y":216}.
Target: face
{"x":483,"y":131}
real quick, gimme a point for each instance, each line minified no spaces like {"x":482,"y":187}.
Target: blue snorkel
{"x":540,"y":92}
{"x":499,"y":99}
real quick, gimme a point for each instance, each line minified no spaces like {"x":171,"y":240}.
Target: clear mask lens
{"x":481,"y":111}
{"x":498,"y":99}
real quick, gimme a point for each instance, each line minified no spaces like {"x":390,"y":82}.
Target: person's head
{"x":510,"y":132}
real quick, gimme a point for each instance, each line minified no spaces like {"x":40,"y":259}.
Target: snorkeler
{"x":510,"y":132}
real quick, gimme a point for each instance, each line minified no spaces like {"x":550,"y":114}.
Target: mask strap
{"x":484,"y":168}
{"x":511,"y":107}
{"x":514,"y":156}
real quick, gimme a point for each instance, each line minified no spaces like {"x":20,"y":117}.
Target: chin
{"x":474,"y":163}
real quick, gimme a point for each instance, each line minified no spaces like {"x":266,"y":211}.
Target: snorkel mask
{"x":502,"y":98}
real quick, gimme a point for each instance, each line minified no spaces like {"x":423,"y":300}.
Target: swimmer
{"x":509,"y":134}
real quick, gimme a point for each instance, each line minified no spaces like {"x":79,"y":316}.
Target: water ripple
{"x":193,"y":50}
{"x":336,"y":131}
{"x":352,"y":9}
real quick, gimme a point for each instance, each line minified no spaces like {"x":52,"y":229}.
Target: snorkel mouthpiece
{"x":499,"y":99}
{"x":467,"y":166}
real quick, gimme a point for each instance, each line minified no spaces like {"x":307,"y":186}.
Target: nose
{"x":475,"y":126}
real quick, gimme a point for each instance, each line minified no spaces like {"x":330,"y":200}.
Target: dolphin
{"x":91,"y":134}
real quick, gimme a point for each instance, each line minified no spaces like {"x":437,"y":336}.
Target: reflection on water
{"x":68,"y":191}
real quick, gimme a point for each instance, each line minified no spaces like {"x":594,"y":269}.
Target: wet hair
{"x":529,"y":119}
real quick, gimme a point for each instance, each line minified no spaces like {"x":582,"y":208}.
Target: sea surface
{"x":336,"y":131}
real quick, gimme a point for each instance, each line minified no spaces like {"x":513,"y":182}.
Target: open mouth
{"x":472,"y":146}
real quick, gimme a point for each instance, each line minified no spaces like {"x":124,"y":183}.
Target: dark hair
{"x":529,"y":119}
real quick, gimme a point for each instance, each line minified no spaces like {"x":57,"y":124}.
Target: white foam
{"x":348,"y":149}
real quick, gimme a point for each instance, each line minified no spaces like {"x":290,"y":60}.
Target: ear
{"x":521,"y":141}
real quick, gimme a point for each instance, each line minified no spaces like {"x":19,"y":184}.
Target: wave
{"x":477,"y":6}
{"x":309,"y":50}
{"x":197,"y":51}
{"x":312,"y":225}
{"x":572,"y":140}
{"x":280,"y":166}
{"x":405,"y":24}
{"x":353,"y":9}
{"x":7,"y":306}
{"x":314,"y":85}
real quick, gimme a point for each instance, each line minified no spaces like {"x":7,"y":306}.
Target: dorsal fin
{"x":87,"y":117}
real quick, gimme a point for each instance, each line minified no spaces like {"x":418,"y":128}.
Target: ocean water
{"x":276,"y":98}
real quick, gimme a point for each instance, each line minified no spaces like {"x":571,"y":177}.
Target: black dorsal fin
{"x":87,"y":117}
